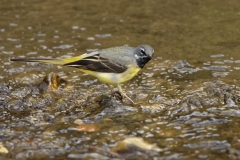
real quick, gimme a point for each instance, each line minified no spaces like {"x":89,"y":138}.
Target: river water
{"x":187,"y":96}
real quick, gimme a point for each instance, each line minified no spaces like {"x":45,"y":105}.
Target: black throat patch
{"x":141,"y":61}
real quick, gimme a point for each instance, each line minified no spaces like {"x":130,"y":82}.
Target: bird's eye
{"x":143,"y":51}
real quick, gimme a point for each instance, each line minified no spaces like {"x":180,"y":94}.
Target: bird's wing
{"x":94,"y":62}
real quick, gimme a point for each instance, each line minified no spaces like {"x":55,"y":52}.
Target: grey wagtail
{"x":113,"y":66}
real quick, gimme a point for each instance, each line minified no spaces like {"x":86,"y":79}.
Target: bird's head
{"x":143,"y":54}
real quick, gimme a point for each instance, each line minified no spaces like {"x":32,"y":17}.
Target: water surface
{"x":188,"y":95}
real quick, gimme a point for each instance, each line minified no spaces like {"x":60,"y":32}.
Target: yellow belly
{"x":114,"y":78}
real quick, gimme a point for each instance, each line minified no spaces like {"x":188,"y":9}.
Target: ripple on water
{"x":7,"y":52}
{"x":103,"y":35}
{"x":217,"y":56}
{"x":64,"y":46}
{"x":216,"y":68}
{"x":211,"y":144}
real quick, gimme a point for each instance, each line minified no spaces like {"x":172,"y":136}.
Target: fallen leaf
{"x":3,"y":149}
{"x":87,"y":127}
{"x":135,"y":143}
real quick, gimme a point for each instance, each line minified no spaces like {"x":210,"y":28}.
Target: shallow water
{"x":188,"y":95}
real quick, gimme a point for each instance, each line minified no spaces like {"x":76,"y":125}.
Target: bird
{"x":112,"y":66}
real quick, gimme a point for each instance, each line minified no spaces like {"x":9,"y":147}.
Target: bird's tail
{"x":50,"y":60}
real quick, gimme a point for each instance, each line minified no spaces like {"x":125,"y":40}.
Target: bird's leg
{"x":110,"y":88}
{"x":125,"y":95}
{"x":115,"y":94}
